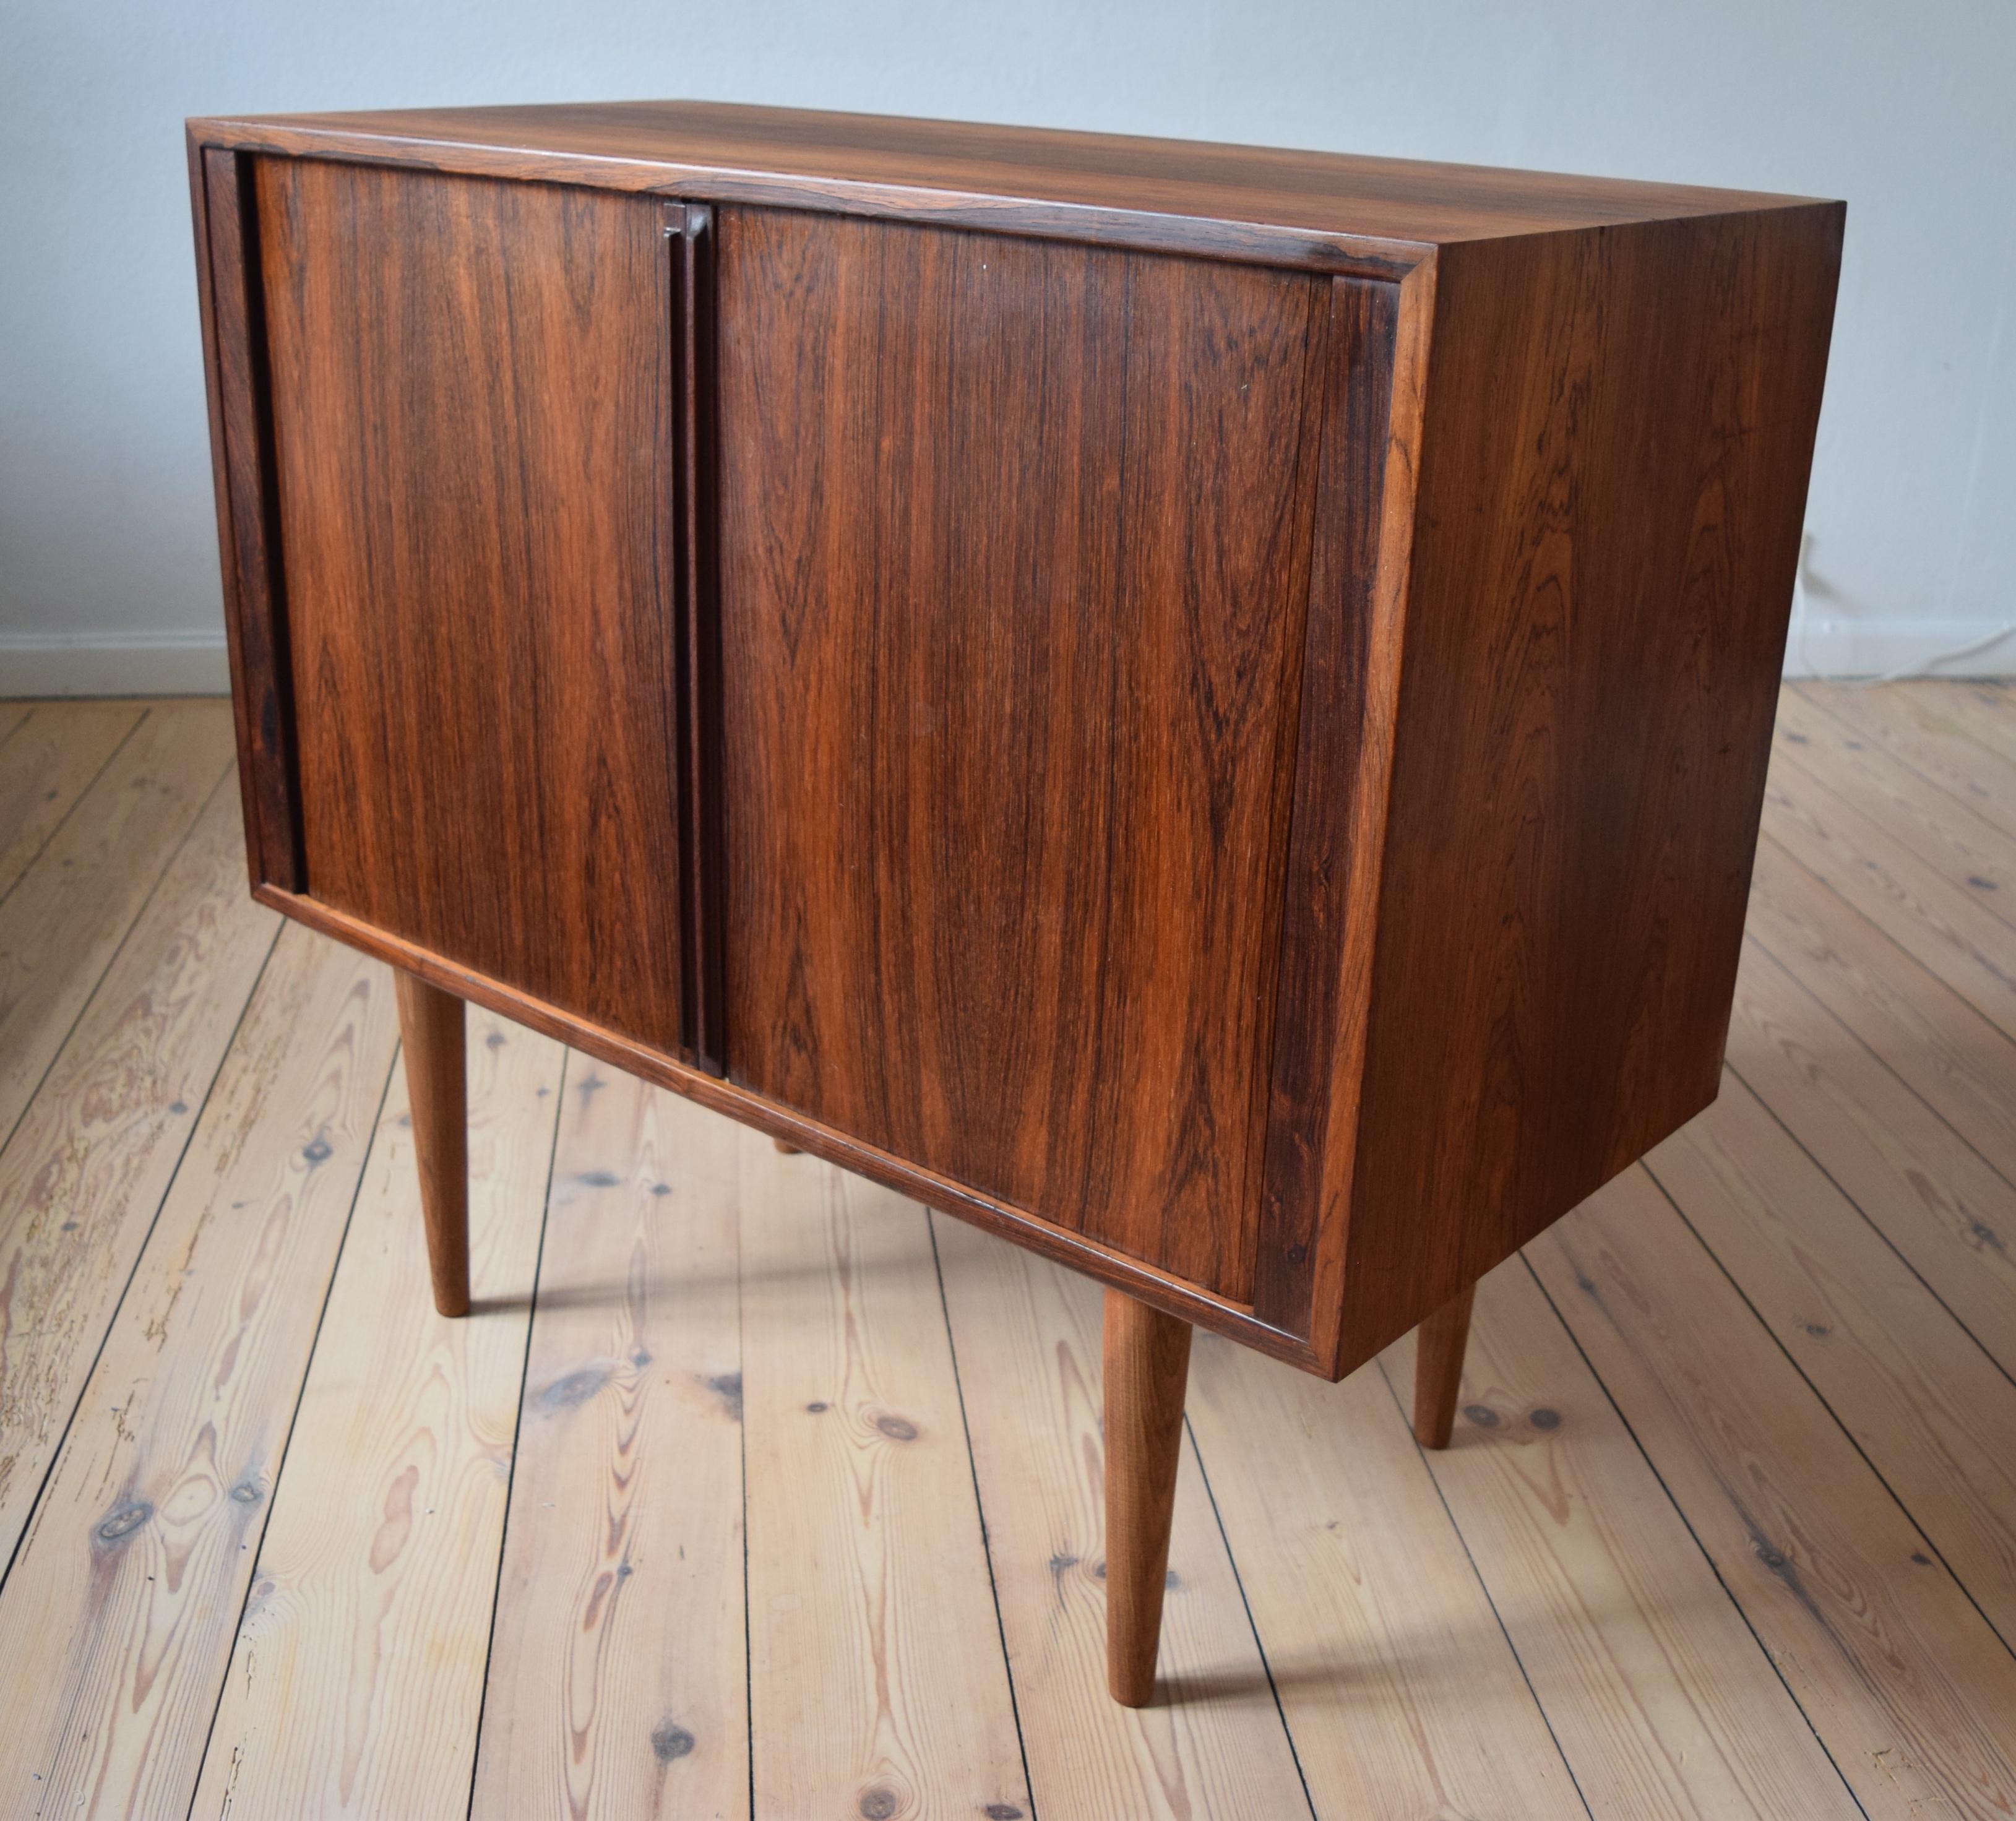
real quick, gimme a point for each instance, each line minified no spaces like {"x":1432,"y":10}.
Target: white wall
{"x":108,"y":567}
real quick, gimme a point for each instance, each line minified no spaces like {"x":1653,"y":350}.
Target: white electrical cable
{"x":1925,"y":664}
{"x":1915,"y":667}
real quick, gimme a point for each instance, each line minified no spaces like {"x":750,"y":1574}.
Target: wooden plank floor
{"x":749,"y":1490}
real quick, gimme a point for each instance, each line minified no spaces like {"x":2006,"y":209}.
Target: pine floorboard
{"x":618,"y":1675}
{"x":386,"y":1522}
{"x":751,"y":1490}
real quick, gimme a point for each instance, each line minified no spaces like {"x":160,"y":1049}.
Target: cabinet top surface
{"x":783,"y":153}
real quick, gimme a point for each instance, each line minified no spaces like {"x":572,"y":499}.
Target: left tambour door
{"x":471,"y":392}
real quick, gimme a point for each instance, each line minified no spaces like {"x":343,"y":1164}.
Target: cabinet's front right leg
{"x":1148,"y":1366}
{"x":1439,"y":1345}
{"x":430,"y":1023}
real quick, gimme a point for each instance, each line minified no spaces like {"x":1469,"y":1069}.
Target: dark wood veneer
{"x":1341,"y":740}
{"x":1203,"y":708}
{"x":1015,"y":556}
{"x":1615,"y":438}
{"x":1376,"y":216}
{"x":474,"y":421}
{"x":233,"y":295}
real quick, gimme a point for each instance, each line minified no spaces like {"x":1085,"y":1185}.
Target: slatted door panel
{"x":472,"y":390}
{"x":1014,"y":562}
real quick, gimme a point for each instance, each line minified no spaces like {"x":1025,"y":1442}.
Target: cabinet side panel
{"x":1619,"y":429}
{"x":472,"y":393}
{"x":1015,"y":556}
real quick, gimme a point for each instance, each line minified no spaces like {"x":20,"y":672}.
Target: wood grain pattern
{"x":1594,"y":632}
{"x":1028,"y":1336}
{"x":62,"y":923}
{"x":1932,"y":1413}
{"x":1242,"y":692}
{"x":116,"y":1624}
{"x":618,"y":1682}
{"x":1957,"y":842}
{"x":357,"y":1671}
{"x":1944,"y":925}
{"x":1949,"y":1214}
{"x":473,"y":445}
{"x":1938,"y":1041}
{"x":1343,"y":763}
{"x":1977,"y":709}
{"x":1322,"y":207}
{"x":1005,"y":791}
{"x":1663,"y":1704}
{"x":1146,"y":1357}
{"x":1919,"y":735}
{"x":83,"y":1176}
{"x":46,"y":763}
{"x":1905,"y":1683}
{"x":873,"y":1691}
{"x":1399,"y":1687}
{"x":431,"y":1032}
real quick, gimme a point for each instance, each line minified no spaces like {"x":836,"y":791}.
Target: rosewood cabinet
{"x":1203,"y":708}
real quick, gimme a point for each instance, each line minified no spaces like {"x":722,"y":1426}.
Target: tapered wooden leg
{"x":430,"y":1022}
{"x":788,"y":1150}
{"x":1147,"y":1364}
{"x":1438,"y":1345}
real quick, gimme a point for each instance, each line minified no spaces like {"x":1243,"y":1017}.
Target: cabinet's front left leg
{"x":1439,"y":1345}
{"x":1147,"y":1366}
{"x":430,"y":1022}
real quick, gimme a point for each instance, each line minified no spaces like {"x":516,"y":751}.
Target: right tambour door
{"x":1014,"y":560}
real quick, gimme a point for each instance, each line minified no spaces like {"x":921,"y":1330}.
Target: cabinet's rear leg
{"x":785,"y":1146}
{"x":1147,"y":1364}
{"x":431,"y":1022}
{"x":1438,"y":1345}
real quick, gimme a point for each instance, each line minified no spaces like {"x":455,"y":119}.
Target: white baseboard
{"x":113,"y":663}
{"x":1829,"y":646}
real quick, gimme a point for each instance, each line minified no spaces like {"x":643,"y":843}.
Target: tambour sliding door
{"x":862,"y":658}
{"x":473,"y":437}
{"x":1015,"y":564}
